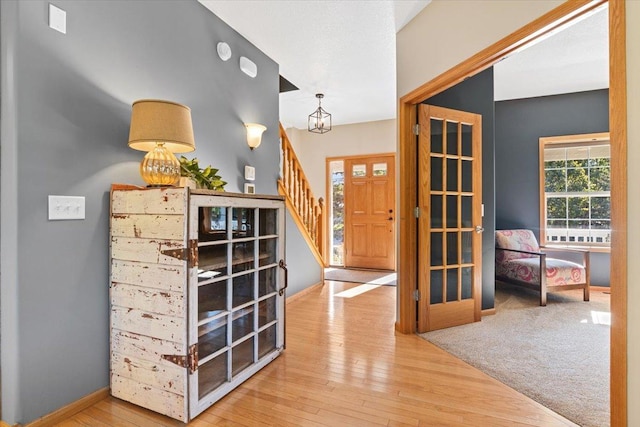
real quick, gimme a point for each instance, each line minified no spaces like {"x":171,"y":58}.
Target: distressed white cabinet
{"x":197,"y":294}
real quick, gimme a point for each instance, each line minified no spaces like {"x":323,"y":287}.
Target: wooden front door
{"x":370,"y":212}
{"x":450,"y":220}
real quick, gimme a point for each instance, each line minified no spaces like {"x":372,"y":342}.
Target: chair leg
{"x":587,"y":266}
{"x":543,"y":280}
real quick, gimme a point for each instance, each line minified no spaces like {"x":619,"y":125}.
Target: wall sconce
{"x":254,"y":134}
{"x":161,"y":128}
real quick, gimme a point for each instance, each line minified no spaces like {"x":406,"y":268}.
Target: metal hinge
{"x":416,"y":129}
{"x":416,"y":212}
{"x":190,"y":253}
{"x":416,"y":294}
{"x":190,"y":361}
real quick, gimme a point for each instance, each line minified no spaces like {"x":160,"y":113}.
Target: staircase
{"x":307,"y":211}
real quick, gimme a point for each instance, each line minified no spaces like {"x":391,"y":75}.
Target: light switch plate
{"x":249,"y":173}
{"x":66,"y":207}
{"x":57,"y":19}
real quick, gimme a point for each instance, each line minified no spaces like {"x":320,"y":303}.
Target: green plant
{"x":204,"y":178}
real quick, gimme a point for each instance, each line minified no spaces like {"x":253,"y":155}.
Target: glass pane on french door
{"x":451,"y":198}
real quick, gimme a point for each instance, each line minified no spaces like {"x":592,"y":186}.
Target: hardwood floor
{"x":345,"y":366}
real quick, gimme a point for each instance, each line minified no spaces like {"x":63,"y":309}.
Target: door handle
{"x":283,"y":266}
{"x":390,"y":218}
{"x":479,"y":229}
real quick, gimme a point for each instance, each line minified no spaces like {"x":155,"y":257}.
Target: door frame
{"x":327,"y":187}
{"x":555,"y":19}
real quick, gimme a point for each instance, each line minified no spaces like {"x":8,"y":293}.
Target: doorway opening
{"x":361,"y":215}
{"x":555,"y":19}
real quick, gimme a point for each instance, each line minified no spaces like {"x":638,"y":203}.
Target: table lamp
{"x":161,"y":128}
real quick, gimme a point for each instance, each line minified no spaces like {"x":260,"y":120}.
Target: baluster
{"x":298,"y":189}
{"x":312,"y":219}
{"x":305,"y":216}
{"x":309,"y":208}
{"x":321,"y":229}
{"x":316,"y":219}
{"x":292,"y":190}
{"x":291,"y":177}
{"x":310,"y":212}
{"x":302,"y":201}
{"x":294,"y":183}
{"x":291,"y":174}
{"x":288,"y":173}
{"x":285,"y":165}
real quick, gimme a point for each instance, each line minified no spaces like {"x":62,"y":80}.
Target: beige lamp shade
{"x":156,"y":122}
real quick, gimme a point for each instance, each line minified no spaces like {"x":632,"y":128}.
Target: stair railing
{"x":307,"y":211}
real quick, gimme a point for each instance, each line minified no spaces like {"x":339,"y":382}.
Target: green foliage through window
{"x":577,"y":194}
{"x":337,"y":185}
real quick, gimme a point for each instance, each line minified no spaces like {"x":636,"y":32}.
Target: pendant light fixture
{"x":319,"y":120}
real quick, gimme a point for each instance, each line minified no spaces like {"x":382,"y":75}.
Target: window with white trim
{"x":576,"y":193}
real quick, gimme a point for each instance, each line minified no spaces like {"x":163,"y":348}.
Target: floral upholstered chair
{"x":519,"y":261}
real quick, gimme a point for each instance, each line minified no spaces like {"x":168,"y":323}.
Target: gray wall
{"x":301,"y":263}
{"x":475,"y":95}
{"x":66,"y":105}
{"x":519,"y":125}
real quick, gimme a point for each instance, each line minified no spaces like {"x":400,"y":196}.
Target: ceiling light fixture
{"x":319,"y":120}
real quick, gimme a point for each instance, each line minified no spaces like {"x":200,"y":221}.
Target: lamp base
{"x":160,"y":167}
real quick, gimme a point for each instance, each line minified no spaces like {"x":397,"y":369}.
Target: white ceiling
{"x":573,"y":60}
{"x":344,"y":49}
{"x":347,"y":50}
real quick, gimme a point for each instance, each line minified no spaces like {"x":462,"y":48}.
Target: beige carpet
{"x":373,"y":277}
{"x":558,"y":355}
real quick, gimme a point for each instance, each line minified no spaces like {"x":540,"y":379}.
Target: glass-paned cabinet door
{"x":236,"y":302}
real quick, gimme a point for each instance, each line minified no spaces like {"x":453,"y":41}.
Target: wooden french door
{"x":450,"y":220}
{"x":369,"y":201}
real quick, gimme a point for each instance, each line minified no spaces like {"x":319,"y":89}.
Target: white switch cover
{"x":249,"y":173}
{"x":66,"y":207}
{"x":57,"y":19}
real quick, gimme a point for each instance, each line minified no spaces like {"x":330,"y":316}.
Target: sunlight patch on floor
{"x":358,"y":290}
{"x":601,"y":318}
{"x":383,"y":280}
